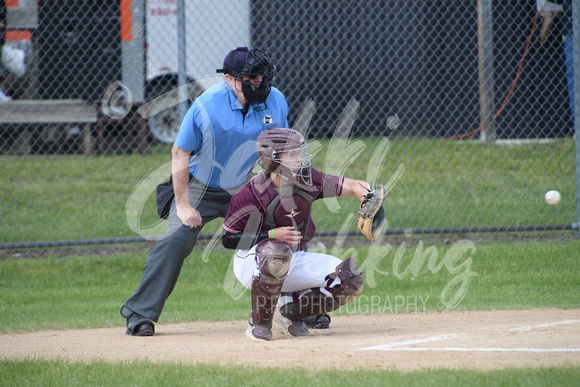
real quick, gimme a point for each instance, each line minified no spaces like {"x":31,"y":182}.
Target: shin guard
{"x":343,"y":286}
{"x":273,"y":258}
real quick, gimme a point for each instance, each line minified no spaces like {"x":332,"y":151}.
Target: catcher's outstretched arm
{"x":357,"y":188}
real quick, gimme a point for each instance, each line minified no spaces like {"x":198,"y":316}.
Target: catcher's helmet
{"x":271,"y":143}
{"x":250,"y":63}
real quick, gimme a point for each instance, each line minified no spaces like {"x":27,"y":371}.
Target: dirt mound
{"x":480,"y":340}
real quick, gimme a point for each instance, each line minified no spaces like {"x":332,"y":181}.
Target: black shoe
{"x":138,"y":325}
{"x":319,"y":321}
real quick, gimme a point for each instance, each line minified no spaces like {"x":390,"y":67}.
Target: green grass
{"x":71,"y":197}
{"x":444,"y":184}
{"x":87,"y":292}
{"x":140,"y":373}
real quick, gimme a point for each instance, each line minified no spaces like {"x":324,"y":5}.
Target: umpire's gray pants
{"x":166,"y":259}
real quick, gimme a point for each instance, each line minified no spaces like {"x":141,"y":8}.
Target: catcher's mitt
{"x":371,"y":216}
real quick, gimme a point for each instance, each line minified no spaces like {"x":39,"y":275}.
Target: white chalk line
{"x":384,"y":347}
{"x":400,"y":345}
{"x":545,"y":325}
{"x":453,"y":349}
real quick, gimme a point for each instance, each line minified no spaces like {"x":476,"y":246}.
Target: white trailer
{"x":213,"y":28}
{"x":149,"y":46}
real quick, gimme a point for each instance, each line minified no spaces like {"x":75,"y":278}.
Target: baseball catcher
{"x":371,"y":216}
{"x":270,"y":221}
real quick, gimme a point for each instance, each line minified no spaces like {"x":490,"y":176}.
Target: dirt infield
{"x":481,"y":340}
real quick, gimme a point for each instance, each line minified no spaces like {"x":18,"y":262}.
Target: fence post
{"x":485,"y":56}
{"x":576,"y":44}
{"x":132,"y":42}
{"x":181,"y":58}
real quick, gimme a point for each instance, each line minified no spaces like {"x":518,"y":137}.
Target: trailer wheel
{"x":163,"y":126}
{"x":163,"y":99}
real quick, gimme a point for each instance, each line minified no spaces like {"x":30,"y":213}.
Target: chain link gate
{"x":465,"y":107}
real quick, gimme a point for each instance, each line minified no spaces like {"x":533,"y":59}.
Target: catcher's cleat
{"x":258,"y":332}
{"x":319,"y":321}
{"x":292,"y":327}
{"x":138,"y":325}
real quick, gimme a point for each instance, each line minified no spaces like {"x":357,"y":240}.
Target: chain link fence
{"x":466,"y":108}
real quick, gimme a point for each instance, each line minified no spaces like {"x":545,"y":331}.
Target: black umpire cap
{"x":234,"y":61}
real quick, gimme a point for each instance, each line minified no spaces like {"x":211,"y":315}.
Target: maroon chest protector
{"x":284,"y":206}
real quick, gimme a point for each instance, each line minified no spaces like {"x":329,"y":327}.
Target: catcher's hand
{"x":371,"y":216}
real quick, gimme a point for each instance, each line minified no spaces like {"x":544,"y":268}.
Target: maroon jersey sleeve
{"x":244,"y":213}
{"x":328,"y":185}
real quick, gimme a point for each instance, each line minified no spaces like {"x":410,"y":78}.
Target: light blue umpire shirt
{"x":222,"y":140}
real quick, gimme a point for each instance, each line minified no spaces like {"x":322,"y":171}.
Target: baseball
{"x":552,"y":197}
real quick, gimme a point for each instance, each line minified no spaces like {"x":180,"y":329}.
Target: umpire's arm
{"x":180,"y":173}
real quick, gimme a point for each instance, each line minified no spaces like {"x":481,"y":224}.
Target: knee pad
{"x":351,"y":280}
{"x":273,"y":258}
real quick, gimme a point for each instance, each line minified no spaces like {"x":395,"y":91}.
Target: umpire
{"x":213,"y":156}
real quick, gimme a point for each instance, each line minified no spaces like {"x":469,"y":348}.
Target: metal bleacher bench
{"x":29,"y":115}
{"x":40,"y":117}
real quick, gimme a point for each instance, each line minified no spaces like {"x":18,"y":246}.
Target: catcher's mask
{"x":274,"y":142}
{"x":245,"y":65}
